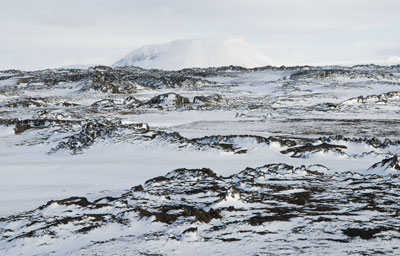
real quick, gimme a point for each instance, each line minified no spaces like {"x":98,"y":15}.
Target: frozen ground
{"x":300,"y":160}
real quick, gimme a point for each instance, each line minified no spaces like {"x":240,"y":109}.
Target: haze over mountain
{"x":201,"y":53}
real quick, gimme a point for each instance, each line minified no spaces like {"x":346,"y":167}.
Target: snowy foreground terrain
{"x":213,"y":161}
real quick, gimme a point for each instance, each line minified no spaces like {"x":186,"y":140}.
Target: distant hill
{"x":200,"y":53}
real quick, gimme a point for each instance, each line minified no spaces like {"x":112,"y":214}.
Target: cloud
{"x":302,"y":31}
{"x":393,"y":59}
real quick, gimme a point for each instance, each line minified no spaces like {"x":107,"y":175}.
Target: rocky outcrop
{"x":318,"y":74}
{"x":168,"y":100}
{"x":214,"y":100}
{"x":132,"y":102}
{"x":304,"y":151}
{"x":391,"y":163}
{"x":381,"y":98}
{"x":111,"y":82}
{"x":93,"y":131}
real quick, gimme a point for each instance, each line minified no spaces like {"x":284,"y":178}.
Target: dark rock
{"x":309,"y":148}
{"x":20,"y":128}
{"x":388,"y":163}
{"x":211,"y":100}
{"x":259,"y":220}
{"x":190,"y":230}
{"x":362,"y":233}
{"x":168,"y":100}
{"x":138,"y":188}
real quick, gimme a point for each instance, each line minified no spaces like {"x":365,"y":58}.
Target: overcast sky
{"x":36,"y":34}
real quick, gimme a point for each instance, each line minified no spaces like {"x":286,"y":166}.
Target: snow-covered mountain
{"x":200,"y":53}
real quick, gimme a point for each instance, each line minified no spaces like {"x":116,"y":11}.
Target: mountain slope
{"x":200,"y":53}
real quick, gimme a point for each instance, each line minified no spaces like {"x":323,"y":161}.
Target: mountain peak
{"x":201,"y":53}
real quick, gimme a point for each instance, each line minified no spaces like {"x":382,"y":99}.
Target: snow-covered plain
{"x":299,"y":159}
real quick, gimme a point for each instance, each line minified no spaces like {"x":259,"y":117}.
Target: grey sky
{"x":39,"y":34}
